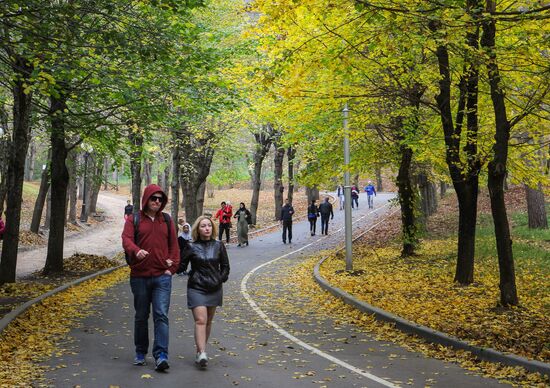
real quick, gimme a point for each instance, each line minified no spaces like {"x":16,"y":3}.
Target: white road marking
{"x":296,"y":340}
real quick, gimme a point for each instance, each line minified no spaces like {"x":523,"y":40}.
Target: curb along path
{"x":431,"y":335}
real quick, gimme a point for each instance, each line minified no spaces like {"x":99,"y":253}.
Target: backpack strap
{"x":136,"y":228}
{"x":168,"y":221}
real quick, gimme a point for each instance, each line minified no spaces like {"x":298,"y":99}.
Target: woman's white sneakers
{"x":201,"y":359}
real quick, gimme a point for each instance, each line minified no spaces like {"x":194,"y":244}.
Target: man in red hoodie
{"x":154,"y":258}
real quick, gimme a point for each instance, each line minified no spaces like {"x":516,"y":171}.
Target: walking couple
{"x":151,"y":245}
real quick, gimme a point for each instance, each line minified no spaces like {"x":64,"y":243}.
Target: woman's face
{"x":186,"y":228}
{"x":205,"y":229}
{"x":242,"y":205}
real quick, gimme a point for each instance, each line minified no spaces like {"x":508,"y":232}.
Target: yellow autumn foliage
{"x":433,"y":289}
{"x":421,"y":289}
{"x":31,"y":337}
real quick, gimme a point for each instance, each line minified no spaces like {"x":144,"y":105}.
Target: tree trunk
{"x":422,"y":181}
{"x":60,"y":181}
{"x":278,"y":187}
{"x":407,"y":202}
{"x":48,"y":216}
{"x":5,"y":146}
{"x":291,"y":154}
{"x":536,"y":209}
{"x":497,"y":167}
{"x":86,"y":186}
{"x":115,"y":177}
{"x":442,"y":189}
{"x":194,"y":171}
{"x":16,"y":170}
{"x":136,"y":140}
{"x":312,"y":193}
{"x":29,"y":162}
{"x":147,"y":173}
{"x":41,"y":198}
{"x":166,"y":186}
{"x":466,"y":193}
{"x":200,"y":197}
{"x":465,"y":177}
{"x":175,"y":185}
{"x":379,"y":186}
{"x":72,"y":190}
{"x":263,"y":139}
{"x":432,"y":192}
{"x":95,"y":184}
{"x":106,"y":174}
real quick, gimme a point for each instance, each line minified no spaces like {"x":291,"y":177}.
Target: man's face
{"x":155,"y":201}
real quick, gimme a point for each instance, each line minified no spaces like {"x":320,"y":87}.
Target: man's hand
{"x":167,"y":272}
{"x":141,"y":254}
{"x":169,"y":263}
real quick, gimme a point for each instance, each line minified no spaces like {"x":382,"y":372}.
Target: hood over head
{"x":150,"y":190}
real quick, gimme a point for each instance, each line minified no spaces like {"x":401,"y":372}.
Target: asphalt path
{"x":254,"y":342}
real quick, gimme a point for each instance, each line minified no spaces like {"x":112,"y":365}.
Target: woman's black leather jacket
{"x":209,"y":264}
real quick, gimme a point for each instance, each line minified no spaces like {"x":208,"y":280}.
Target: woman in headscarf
{"x":184,"y":237}
{"x":244,"y":218}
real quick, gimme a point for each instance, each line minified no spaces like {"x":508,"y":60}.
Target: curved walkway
{"x":103,"y":239}
{"x":245,"y":349}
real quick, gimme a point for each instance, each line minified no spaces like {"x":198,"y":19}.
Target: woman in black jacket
{"x":209,"y":270}
{"x":312,"y":214}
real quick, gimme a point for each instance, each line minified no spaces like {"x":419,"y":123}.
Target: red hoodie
{"x":153,"y":237}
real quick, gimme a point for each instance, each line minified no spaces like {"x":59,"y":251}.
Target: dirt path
{"x":103,"y":239}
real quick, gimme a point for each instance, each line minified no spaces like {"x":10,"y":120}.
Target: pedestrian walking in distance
{"x":371,"y":193}
{"x":340,"y":195}
{"x":244,"y":218}
{"x":128,"y":210}
{"x":312,"y":214}
{"x":286,"y":220}
{"x":224,"y":214}
{"x":209,"y":270}
{"x":354,"y":197}
{"x":326,"y":212}
{"x":151,"y":245}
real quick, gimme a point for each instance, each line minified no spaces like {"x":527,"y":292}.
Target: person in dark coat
{"x":128,"y":210}
{"x":312,"y":214}
{"x":244,"y":218}
{"x":326,"y":211}
{"x":209,"y":270}
{"x":286,"y":220}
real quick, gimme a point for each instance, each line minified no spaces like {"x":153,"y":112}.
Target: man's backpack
{"x":167,"y":220}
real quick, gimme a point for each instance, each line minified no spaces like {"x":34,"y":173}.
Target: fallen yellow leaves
{"x":81,"y":262}
{"x":421,"y":289}
{"x":31,"y":337}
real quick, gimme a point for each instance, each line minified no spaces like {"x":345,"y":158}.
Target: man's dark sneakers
{"x":162,"y":362}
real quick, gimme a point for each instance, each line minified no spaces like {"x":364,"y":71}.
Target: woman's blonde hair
{"x":195,"y":230}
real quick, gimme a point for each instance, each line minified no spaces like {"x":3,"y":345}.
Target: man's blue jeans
{"x":151,"y":291}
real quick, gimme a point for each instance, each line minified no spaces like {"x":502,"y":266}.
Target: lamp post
{"x":84,"y":213}
{"x":347,"y":192}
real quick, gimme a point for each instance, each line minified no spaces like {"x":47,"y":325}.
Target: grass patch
{"x":30,"y":190}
